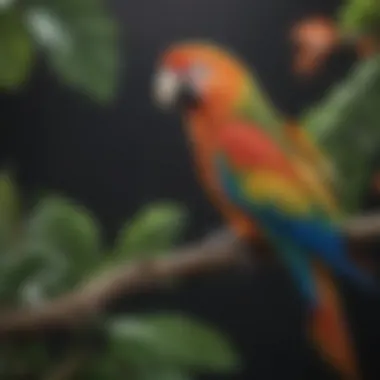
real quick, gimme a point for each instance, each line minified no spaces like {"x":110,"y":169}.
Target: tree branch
{"x":218,"y":251}
{"x":221,"y":250}
{"x":364,"y":227}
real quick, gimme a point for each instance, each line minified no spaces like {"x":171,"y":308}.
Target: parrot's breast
{"x":204,"y":149}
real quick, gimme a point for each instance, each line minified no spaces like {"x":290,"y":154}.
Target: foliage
{"x":78,"y":40}
{"x":346,"y":122}
{"x":346,"y":125}
{"x":361,"y":16}
{"x":152,"y":230}
{"x":57,"y":245}
{"x":169,"y":343}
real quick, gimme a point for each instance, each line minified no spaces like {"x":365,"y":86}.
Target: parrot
{"x":267,"y":178}
{"x":243,"y":97}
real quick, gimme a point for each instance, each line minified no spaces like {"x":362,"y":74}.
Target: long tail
{"x":328,"y":326}
{"x":329,"y":329}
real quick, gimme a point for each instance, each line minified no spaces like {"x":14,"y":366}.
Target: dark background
{"x":117,"y":158}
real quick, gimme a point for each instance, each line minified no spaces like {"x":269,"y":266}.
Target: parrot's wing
{"x":262,"y":181}
{"x":282,"y":195}
{"x":255,"y":106}
{"x":304,"y":144}
{"x":268,"y":174}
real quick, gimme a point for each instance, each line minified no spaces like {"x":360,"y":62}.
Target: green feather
{"x":255,"y":106}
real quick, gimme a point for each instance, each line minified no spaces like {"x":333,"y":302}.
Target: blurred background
{"x":114,"y":157}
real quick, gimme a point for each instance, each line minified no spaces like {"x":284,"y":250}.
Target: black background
{"x":115,"y":159}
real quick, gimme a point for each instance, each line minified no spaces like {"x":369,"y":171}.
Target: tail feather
{"x":329,"y":328}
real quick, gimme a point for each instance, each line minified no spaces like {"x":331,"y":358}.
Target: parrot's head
{"x":200,"y":77}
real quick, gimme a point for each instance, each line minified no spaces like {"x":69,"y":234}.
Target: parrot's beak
{"x":172,"y":91}
{"x":188,"y":98}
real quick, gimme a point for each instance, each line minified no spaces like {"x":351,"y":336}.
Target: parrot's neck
{"x":202,"y":128}
{"x":255,"y":105}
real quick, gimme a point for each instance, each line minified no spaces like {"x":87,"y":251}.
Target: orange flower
{"x":315,"y":39}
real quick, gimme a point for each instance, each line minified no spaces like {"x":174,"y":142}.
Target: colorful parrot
{"x":266,"y":178}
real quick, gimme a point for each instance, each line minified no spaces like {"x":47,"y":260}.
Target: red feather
{"x":249,"y":146}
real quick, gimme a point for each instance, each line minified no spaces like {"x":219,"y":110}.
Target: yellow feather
{"x":266,"y":186}
{"x":313,"y":167}
{"x":315,"y":188}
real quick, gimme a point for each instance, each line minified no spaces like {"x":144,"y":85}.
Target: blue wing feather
{"x":312,"y":235}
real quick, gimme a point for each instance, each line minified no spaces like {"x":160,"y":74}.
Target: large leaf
{"x":181,"y":342}
{"x":16,"y":51}
{"x":80,"y":42}
{"x":6,"y":4}
{"x":154,"y":229}
{"x":69,"y":229}
{"x":162,"y":374}
{"x":31,"y":273}
{"x":360,"y":16}
{"x":347,"y":127}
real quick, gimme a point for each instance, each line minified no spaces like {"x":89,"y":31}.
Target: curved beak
{"x":173,"y":91}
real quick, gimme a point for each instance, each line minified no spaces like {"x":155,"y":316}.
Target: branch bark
{"x":364,"y":227}
{"x":220,"y":250}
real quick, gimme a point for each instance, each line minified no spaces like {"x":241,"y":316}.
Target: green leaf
{"x":16,"y":51}
{"x":30,"y":273}
{"x":80,"y":41}
{"x":173,"y":341}
{"x":154,"y":229}
{"x":346,"y":125}
{"x":164,"y":374}
{"x":360,"y":16}
{"x":9,"y":210}
{"x":159,"y":373}
{"x":6,"y":4}
{"x":69,"y":229}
